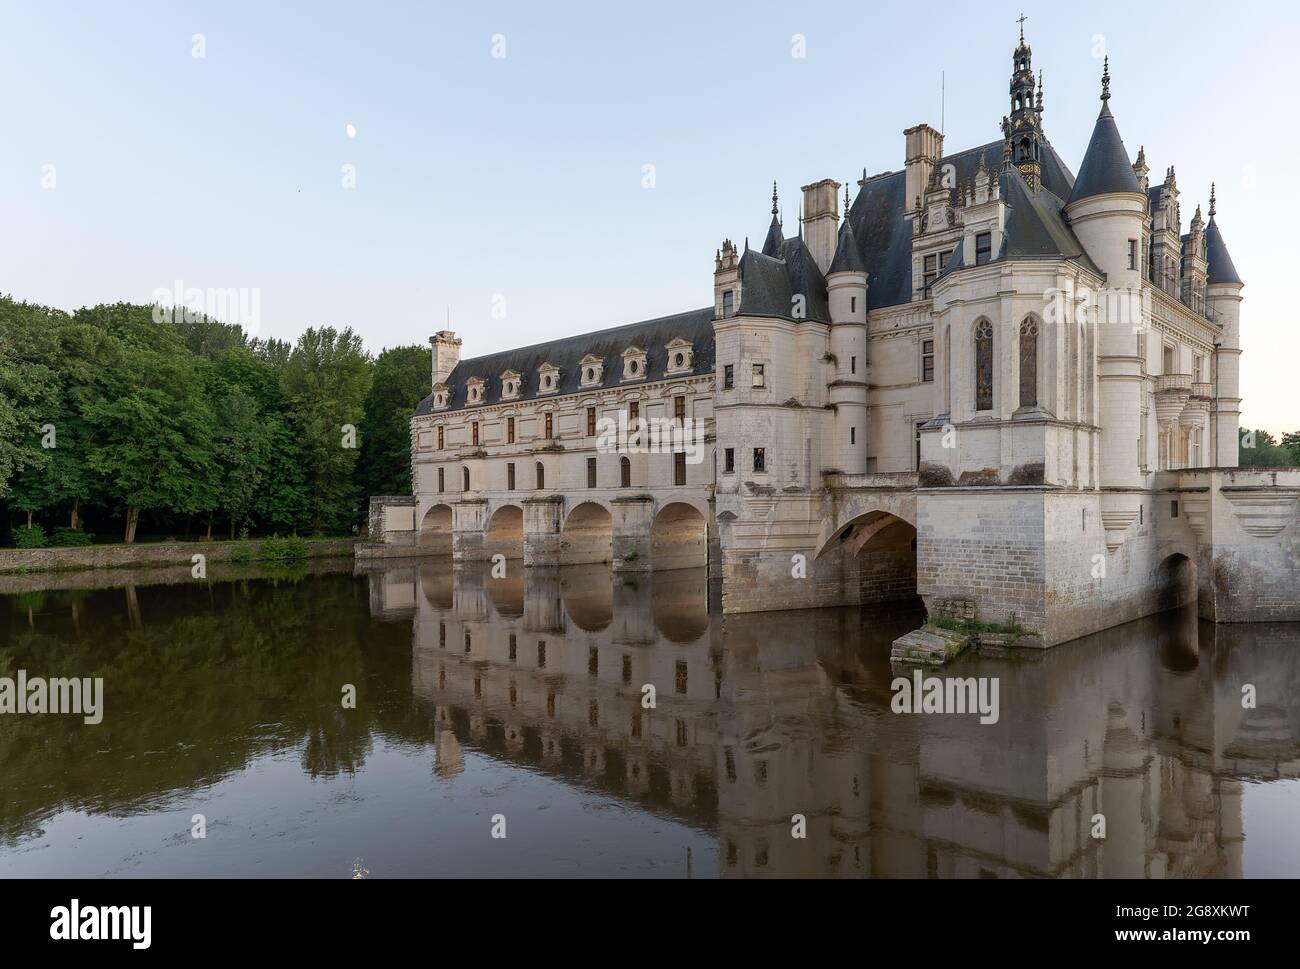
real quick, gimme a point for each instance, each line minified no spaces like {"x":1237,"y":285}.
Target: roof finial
{"x":846,"y":198}
{"x":1211,"y":200}
{"x":774,"y":197}
{"x":1021,"y":20}
{"x":1039,"y":105}
{"x":1105,"y":80}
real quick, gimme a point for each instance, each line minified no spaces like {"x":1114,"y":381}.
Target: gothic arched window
{"x":983,"y":365}
{"x":625,"y":471}
{"x":1029,"y":363}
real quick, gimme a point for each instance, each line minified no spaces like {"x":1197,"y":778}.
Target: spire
{"x":1142,"y":159}
{"x":847,"y":258}
{"x":1218,"y":264}
{"x":1038,"y":106}
{"x":1023,"y":127}
{"x":775,"y":232}
{"x":1106,"y":167}
{"x":846,"y":198}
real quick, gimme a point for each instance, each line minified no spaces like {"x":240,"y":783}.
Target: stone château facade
{"x":990,"y":379}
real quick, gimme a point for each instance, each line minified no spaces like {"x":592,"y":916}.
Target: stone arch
{"x":884,"y":547}
{"x":504,"y":533}
{"x":1174,"y":581}
{"x":587,"y":535}
{"x":436,"y":530}
{"x":678,"y":537}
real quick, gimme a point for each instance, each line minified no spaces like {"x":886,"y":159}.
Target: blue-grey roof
{"x":847,"y":258}
{"x":769,"y":283}
{"x":1219,"y":267}
{"x":884,"y":234}
{"x":1106,"y":166}
{"x":775,"y":238}
{"x":652,"y":336}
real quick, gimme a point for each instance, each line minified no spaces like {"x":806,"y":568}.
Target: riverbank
{"x":22,"y":561}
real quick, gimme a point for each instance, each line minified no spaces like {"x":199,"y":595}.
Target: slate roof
{"x":1219,"y":267}
{"x":768,"y":283}
{"x":652,"y":336}
{"x":1106,"y":166}
{"x":847,"y":258}
{"x":884,"y":235}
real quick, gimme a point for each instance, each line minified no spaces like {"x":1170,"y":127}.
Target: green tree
{"x":153,"y":428}
{"x":325,"y":382}
{"x":29,"y":400}
{"x":1266,"y":453}
{"x":401,"y":381}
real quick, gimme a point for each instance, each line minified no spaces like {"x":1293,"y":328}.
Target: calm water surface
{"x":521,"y":699}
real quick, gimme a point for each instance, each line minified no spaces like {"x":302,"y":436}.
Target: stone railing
{"x":1175,"y":383}
{"x":896,"y":480}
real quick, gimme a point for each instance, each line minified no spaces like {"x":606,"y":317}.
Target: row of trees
{"x":111,"y":418}
{"x":1259,"y":449}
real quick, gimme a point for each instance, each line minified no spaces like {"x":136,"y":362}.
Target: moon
{"x":351,"y":129}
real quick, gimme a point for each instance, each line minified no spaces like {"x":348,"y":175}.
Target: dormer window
{"x":441,"y":395}
{"x":634,"y":367}
{"x":680,"y":356}
{"x":593,"y":370}
{"x":510,"y":383}
{"x":548,"y":378}
{"x":474,"y":390}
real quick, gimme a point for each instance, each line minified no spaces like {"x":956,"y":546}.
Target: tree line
{"x":122,"y":421}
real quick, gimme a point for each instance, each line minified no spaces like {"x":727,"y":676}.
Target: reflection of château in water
{"x":775,"y":714}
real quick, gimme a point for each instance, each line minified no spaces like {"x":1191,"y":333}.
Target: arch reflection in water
{"x":788,"y":713}
{"x":524,"y":693}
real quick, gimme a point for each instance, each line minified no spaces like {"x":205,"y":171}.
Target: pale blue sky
{"x":522,"y":176}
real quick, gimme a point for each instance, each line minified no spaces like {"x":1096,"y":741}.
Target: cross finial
{"x":1021,"y":20}
{"x":1105,"y":79}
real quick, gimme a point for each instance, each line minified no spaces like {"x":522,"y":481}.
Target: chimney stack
{"x":821,"y":220}
{"x":446,"y":354}
{"x":924,"y":149}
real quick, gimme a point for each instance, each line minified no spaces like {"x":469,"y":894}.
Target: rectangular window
{"x":983,"y":248}
{"x":510,"y":430}
{"x":927,"y":361}
{"x":514,"y":648}
{"x":917,"y":443}
{"x":679,"y":468}
{"x":510,"y":476}
{"x":728,"y":303}
{"x":1198,"y":368}
{"x":679,"y":408}
{"x":541,"y":475}
{"x":853,"y":364}
{"x":1168,"y":358}
{"x":634,"y":410}
{"x":1173,"y":509}
{"x":760,"y":378}
{"x":728,"y":377}
{"x":681,"y":672}
{"x":853,"y":304}
{"x":760,"y":459}
{"x":627,"y":668}
{"x":591,"y":472}
{"x":853,"y":435}
{"x":591,"y":422}
{"x":550,"y":426}
{"x":931,"y":270}
{"x":442,"y":479}
{"x":440,"y":438}
{"x":541,"y":654}
{"x":474,"y":433}
{"x":1132,"y":254}
{"x":729,"y":461}
{"x":593,"y":661}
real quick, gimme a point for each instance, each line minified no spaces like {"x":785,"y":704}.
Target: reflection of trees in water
{"x":216,"y":675}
